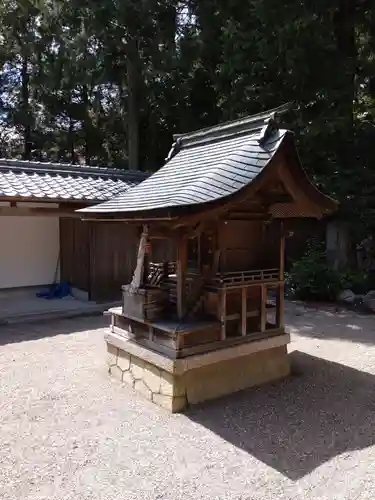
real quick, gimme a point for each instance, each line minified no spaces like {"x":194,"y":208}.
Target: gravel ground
{"x":67,"y":431}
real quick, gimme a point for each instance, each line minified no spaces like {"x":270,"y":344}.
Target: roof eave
{"x":253,"y":122}
{"x":327,"y":204}
{"x":34,"y":199}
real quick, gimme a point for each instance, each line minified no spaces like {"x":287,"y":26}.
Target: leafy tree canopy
{"x":110,"y":81}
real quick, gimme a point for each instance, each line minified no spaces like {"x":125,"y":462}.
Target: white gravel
{"x":67,"y":431}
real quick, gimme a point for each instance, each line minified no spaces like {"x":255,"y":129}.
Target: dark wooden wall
{"x":241,"y":245}
{"x":113,"y":257}
{"x":163,"y":250}
{"x":75,"y":253}
{"x":246,"y":245}
{"x":98,"y":257}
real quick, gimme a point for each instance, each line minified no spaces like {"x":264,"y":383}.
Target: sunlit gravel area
{"x":68,"y":431}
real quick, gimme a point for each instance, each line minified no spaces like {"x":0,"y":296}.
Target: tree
{"x":109,"y":82}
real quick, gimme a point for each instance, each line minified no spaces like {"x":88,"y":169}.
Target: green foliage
{"x":71,"y":72}
{"x":311,"y":278}
{"x":356,"y":281}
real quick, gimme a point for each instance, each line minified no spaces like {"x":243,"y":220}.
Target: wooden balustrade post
{"x":181,"y":268}
{"x":244,"y":311}
{"x":281,"y":291}
{"x":263,"y":308}
{"x":223,"y":314}
{"x":165,"y":270}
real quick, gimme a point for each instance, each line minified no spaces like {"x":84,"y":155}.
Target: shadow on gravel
{"x":323,"y":410}
{"x":24,"y":332}
{"x":331,"y":323}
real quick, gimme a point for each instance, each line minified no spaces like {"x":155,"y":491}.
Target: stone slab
{"x":229,"y":376}
{"x":175,"y":391}
{"x":180,"y":366}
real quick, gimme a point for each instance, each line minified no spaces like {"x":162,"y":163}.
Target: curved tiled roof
{"x":204,"y":166}
{"x":65,"y":182}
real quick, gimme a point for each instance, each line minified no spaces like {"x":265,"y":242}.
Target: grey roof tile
{"x":37,"y":180}
{"x":200,"y":172}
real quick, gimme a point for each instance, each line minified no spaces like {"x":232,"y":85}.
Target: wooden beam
{"x":38,"y":212}
{"x":150,"y":333}
{"x":181,"y":268}
{"x":269,"y":337}
{"x":249,"y":285}
{"x":159,"y":233}
{"x":100,"y":217}
{"x":282,"y":251}
{"x":247,"y":215}
{"x":146,"y":258}
{"x":244,"y":311}
{"x":73,"y":204}
{"x":280,"y":307}
{"x":281,"y":291}
{"x":273,"y":198}
{"x":263,"y":308}
{"x":223,"y":314}
{"x":199,"y":256}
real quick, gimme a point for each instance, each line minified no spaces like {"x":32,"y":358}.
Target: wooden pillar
{"x":281,"y":251}
{"x":280,"y":294}
{"x":244,"y":311}
{"x":223,"y":314}
{"x":263,"y":308}
{"x":140,"y":273}
{"x":146,"y":267}
{"x":181,"y":265}
{"x":165,"y":270}
{"x":199,"y":256}
{"x":150,"y":333}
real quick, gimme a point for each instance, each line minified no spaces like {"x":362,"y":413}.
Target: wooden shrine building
{"x":204,"y":313}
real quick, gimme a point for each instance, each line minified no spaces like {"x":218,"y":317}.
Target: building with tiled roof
{"x":63,"y":182}
{"x":43,"y":239}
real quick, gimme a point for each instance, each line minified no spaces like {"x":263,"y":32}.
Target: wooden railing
{"x":231,"y":279}
{"x":170,"y":283}
{"x":158,"y":271}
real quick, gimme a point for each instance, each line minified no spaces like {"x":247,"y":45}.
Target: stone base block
{"x":174,"y":384}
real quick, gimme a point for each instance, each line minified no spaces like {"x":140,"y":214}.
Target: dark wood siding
{"x":113,"y":256}
{"x":75,"y":253}
{"x":98,"y":257}
{"x":239,"y":243}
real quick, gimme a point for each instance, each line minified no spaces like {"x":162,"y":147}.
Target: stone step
{"x":32,"y":317}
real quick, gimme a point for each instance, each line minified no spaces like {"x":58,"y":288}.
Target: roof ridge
{"x":196,"y":179}
{"x":249,"y":123}
{"x":68,"y":168}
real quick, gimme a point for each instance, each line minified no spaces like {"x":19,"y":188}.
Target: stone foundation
{"x":174,"y":384}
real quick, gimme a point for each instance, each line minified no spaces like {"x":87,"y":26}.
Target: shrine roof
{"x":203,"y":167}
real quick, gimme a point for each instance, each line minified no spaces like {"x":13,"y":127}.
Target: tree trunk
{"x":346,"y":43}
{"x":345,"y":23}
{"x":25,"y":105}
{"x":372,"y":47}
{"x":133,"y":81}
{"x":71,"y":142}
{"x":86,"y":125}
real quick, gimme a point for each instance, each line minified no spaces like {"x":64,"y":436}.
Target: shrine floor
{"x":68,"y":431}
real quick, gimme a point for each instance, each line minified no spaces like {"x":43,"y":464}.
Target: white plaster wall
{"x":29,"y":250}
